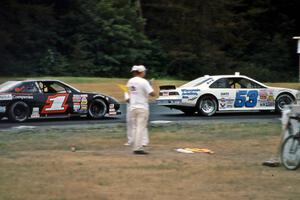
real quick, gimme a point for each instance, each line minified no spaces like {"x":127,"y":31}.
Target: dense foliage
{"x":173,"y":38}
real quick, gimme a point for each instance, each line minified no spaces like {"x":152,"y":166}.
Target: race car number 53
{"x":246,"y":99}
{"x":56,"y":104}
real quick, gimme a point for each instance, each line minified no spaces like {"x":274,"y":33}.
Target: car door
{"x":235,"y":93}
{"x":56,"y":99}
{"x":246,"y":95}
{"x":225,"y":94}
{"x":264,"y":97}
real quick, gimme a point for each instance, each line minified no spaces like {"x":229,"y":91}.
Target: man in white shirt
{"x":139,"y":91}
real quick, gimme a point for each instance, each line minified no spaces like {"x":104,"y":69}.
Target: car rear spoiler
{"x":167,"y":87}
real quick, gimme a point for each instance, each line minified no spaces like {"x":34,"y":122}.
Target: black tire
{"x":97,"y":109}
{"x":207,"y":106}
{"x":290,"y":153}
{"x":18,"y":112}
{"x":282,"y":100}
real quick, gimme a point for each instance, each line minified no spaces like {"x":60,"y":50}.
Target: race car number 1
{"x":241,"y":99}
{"x":56,"y":104}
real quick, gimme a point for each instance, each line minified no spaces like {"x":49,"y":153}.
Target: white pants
{"x":139,"y":121}
{"x":145,"y":141}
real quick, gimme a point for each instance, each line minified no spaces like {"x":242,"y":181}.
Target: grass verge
{"x":38,"y":164}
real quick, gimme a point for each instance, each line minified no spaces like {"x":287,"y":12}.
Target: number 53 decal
{"x":56,"y":104}
{"x":246,"y":99}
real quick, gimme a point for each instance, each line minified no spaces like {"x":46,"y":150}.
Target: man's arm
{"x":152,"y":94}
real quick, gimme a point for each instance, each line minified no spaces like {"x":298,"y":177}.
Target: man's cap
{"x":139,"y":68}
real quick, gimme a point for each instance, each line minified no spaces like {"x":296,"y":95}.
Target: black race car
{"x":21,"y":100}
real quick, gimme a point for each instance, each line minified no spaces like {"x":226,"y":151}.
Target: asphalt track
{"x":157,"y":114}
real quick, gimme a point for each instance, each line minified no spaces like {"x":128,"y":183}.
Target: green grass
{"x":60,"y":138}
{"x":38,"y":163}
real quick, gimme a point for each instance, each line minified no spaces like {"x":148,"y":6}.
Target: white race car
{"x":208,"y":94}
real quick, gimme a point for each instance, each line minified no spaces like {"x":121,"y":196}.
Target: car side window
{"x":221,"y":83}
{"x":26,"y":88}
{"x":234,"y":83}
{"x":57,"y":88}
{"x":246,"y":83}
{"x":53,"y":87}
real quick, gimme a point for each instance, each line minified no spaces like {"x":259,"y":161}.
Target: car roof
{"x":49,"y":80}
{"x":46,"y":80}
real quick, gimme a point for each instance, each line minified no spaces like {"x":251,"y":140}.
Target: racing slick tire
{"x":18,"y":112}
{"x":97,"y":109}
{"x":207,"y":106}
{"x":282,"y":100}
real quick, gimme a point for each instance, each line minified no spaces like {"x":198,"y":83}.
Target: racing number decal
{"x":56,"y":104}
{"x":241,"y":99}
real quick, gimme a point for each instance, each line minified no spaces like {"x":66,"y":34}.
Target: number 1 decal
{"x":241,"y":97}
{"x":56,"y":104}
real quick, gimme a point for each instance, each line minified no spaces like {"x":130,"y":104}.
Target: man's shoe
{"x":140,"y":152}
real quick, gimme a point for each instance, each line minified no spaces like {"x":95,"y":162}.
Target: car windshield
{"x":196,"y":82}
{"x":8,"y":86}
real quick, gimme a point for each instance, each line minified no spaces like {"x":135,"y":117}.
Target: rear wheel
{"x":18,"y":112}
{"x":282,"y":100}
{"x":290,"y":152}
{"x":207,"y":106}
{"x":97,"y":109}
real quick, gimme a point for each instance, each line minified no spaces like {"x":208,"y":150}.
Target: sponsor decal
{"x":5,"y":97}
{"x":80,"y":103}
{"x":84,"y":100}
{"x":83,"y":108}
{"x":56,"y":104}
{"x":76,"y":98}
{"x":266,"y":103}
{"x":2,"y":109}
{"x":230,"y":101}
{"x":35,"y":112}
{"x":193,"y":98}
{"x":229,"y":106}
{"x":111,"y":106}
{"x":266,"y":98}
{"x":22,"y":96}
{"x":76,"y":107}
{"x":222,"y":105}
{"x":263,"y":94}
{"x":224,"y":93}
{"x":190,"y":92}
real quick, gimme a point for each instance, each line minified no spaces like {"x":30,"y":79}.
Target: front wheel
{"x":207,"y":106}
{"x":18,"y":112}
{"x":282,"y":100}
{"x":290,"y":152}
{"x":97,"y":109}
